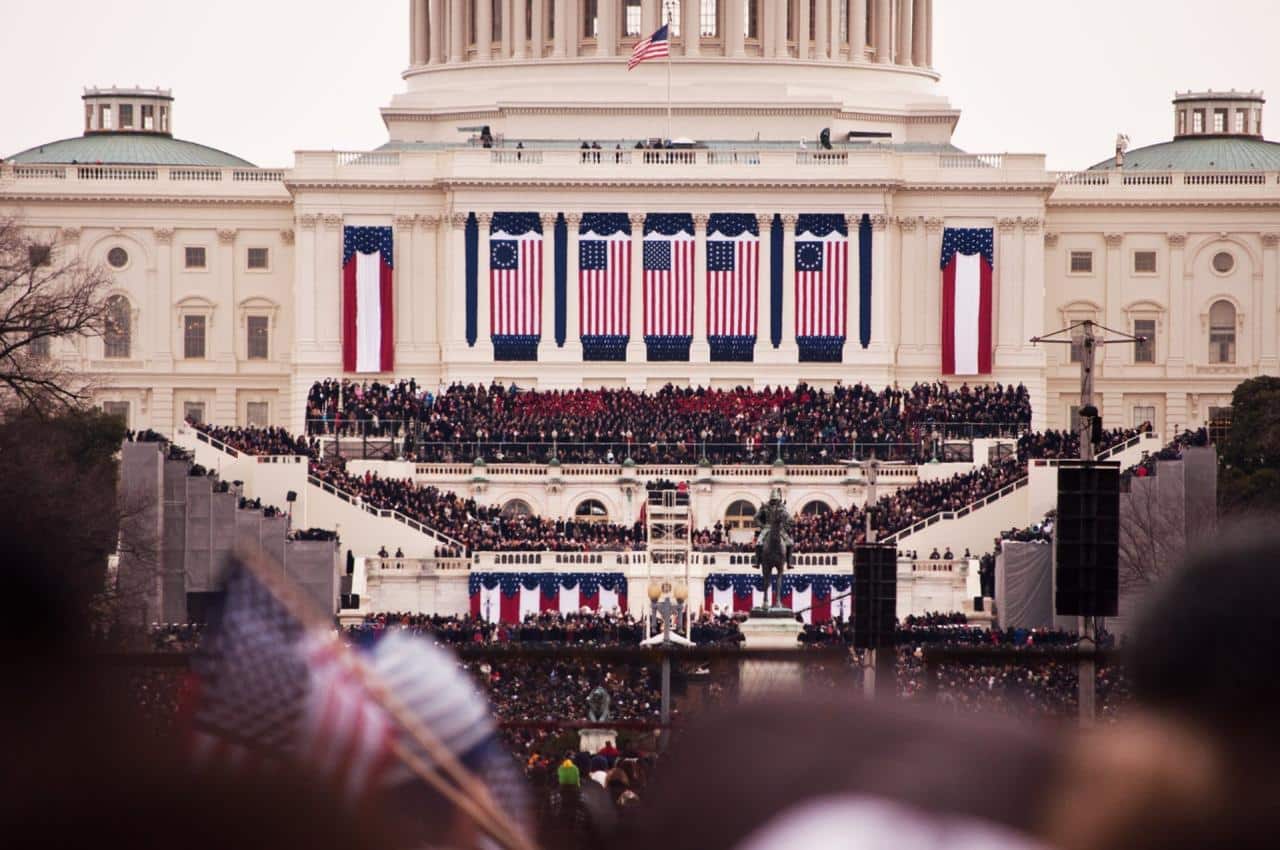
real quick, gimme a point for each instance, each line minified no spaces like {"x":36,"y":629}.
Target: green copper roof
{"x":130,"y":149}
{"x":1221,"y":153}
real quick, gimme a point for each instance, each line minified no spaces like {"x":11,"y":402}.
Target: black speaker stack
{"x":875,"y":596}
{"x":1087,"y":537}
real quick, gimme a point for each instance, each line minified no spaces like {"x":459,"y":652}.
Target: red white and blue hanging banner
{"x":817,"y":598}
{"x":668,"y":286}
{"x":368,"y":267}
{"x":733,"y":286}
{"x":822,"y":287}
{"x":604,"y":285}
{"x":968,"y":260}
{"x":511,"y":597}
{"x":515,"y":285}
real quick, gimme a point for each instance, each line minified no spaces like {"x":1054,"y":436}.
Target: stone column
{"x":573,"y":302}
{"x":1030,"y":298}
{"x":884,"y":331}
{"x":636,"y":347}
{"x":162,"y":303}
{"x":483,"y":325}
{"x":906,"y":35}
{"x":852,"y":345}
{"x":484,"y":30}
{"x":1005,"y":284}
{"x":931,"y":284}
{"x":650,"y":17}
{"x":328,"y":283}
{"x":519,"y":31}
{"x":560,"y":47}
{"x":883,"y":40}
{"x":763,"y":285}
{"x":221,"y":331}
{"x":457,"y":37}
{"x":691,"y":27}
{"x":920,"y":35}
{"x":1113,"y":355}
{"x":1270,"y":283}
{"x":858,"y":30}
{"x":538,"y":30}
{"x":913,"y":308}
{"x":508,"y":32}
{"x":572,"y":28}
{"x":701,"y":351}
{"x":547,"y":345}
{"x":781,"y":13}
{"x":822,"y":30}
{"x":435,"y":31}
{"x":735,"y":31}
{"x":304,"y":293}
{"x":418,"y":30}
{"x":451,"y":321}
{"x":789,"y":345}
{"x":429,"y":284}
{"x":607,"y":40}
{"x":802,"y":31}
{"x":928,"y":33}
{"x":407,"y":260}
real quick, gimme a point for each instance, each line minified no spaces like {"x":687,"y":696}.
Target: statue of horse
{"x":773,"y":546}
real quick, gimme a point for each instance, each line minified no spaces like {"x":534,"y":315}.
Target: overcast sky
{"x":262,"y":78}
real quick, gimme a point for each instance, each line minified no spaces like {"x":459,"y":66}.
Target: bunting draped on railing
{"x":968,"y":261}
{"x":604,"y":285}
{"x":733,"y":286}
{"x":813,"y":596}
{"x":668,"y":286}
{"x":515,"y":285}
{"x":865,"y":237}
{"x":822,"y":284}
{"x":510,"y":597}
{"x":368,"y":270}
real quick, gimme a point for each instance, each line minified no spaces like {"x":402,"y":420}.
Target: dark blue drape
{"x":561,"y":280}
{"x":472,"y":252}
{"x":864,"y":281}
{"x":775,"y":281}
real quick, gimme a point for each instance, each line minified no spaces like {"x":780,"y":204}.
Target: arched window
{"x":592,"y":510}
{"x":816,"y":508}
{"x":516,"y":508}
{"x":1222,"y":332}
{"x":741,"y":514}
{"x":117,"y":337}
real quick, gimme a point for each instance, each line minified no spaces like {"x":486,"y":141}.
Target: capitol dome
{"x":739,"y":70}
{"x":129,"y":127}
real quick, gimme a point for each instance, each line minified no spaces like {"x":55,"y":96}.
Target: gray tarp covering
{"x":1024,"y":585}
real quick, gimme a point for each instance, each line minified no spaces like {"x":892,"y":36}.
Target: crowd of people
{"x":1172,"y":451}
{"x":261,"y":441}
{"x":801,"y":424}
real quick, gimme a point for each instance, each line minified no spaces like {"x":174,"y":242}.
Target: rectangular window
{"x":39,"y":255}
{"x":1077,"y":345}
{"x":1219,"y":120}
{"x":1143,"y":415}
{"x":259,"y":337}
{"x":675,"y":19}
{"x":751,"y":18}
{"x":1144,"y":351}
{"x":1144,"y":262}
{"x":126,"y":116}
{"x":590,"y":19}
{"x":259,"y":259}
{"x":39,"y":347}
{"x":195,"y":257}
{"x":631,"y":18}
{"x":1241,"y":117}
{"x":1197,"y":121}
{"x":193,"y":328}
{"x":495,"y":20}
{"x":117,"y":410}
{"x":257,"y":414}
{"x":1082,"y":262}
{"x":193,"y":411}
{"x":1222,"y":345}
{"x":104,"y":118}
{"x":869,"y":24}
{"x":148,"y":117}
{"x":1219,"y":423}
{"x":709,"y":19}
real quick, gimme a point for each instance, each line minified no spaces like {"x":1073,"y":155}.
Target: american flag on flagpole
{"x":656,"y":46}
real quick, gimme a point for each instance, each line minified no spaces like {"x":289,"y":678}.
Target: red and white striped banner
{"x":515,"y":284}
{"x":733,"y":275}
{"x":668,"y":285}
{"x":822,"y":285}
{"x":604,"y":285}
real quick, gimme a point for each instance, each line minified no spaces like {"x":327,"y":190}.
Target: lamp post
{"x":628,"y":434}
{"x":705,"y":434}
{"x":555,"y":445}
{"x":667,"y":599}
{"x":871,"y":472}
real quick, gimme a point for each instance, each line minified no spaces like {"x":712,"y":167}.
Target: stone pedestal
{"x":593,"y":740}
{"x":774,"y":629}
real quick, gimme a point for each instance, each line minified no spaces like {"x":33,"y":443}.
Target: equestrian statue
{"x":773,"y":545}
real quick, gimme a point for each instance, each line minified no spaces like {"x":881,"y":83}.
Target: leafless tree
{"x":46,"y":295}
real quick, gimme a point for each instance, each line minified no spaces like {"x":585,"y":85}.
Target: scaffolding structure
{"x":669,"y":524}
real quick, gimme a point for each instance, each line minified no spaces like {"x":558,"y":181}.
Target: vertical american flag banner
{"x":668,"y":286}
{"x":515,"y":285}
{"x":604,"y":285}
{"x":733,"y":286}
{"x":368,"y":267}
{"x":968,"y":260}
{"x":822,"y":287}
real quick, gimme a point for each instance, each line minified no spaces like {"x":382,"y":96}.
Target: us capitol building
{"x":233,"y":289}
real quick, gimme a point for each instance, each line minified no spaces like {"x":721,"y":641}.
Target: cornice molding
{"x":153,"y":200}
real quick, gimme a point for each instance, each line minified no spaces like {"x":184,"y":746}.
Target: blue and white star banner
{"x":733,"y":286}
{"x":515,"y":285}
{"x":822,"y":287}
{"x":668,"y":285}
{"x":604,"y":285}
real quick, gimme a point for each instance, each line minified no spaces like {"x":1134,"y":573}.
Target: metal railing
{"x":959,"y":513}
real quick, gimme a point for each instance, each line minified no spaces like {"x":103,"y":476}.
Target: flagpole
{"x":669,"y":10}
